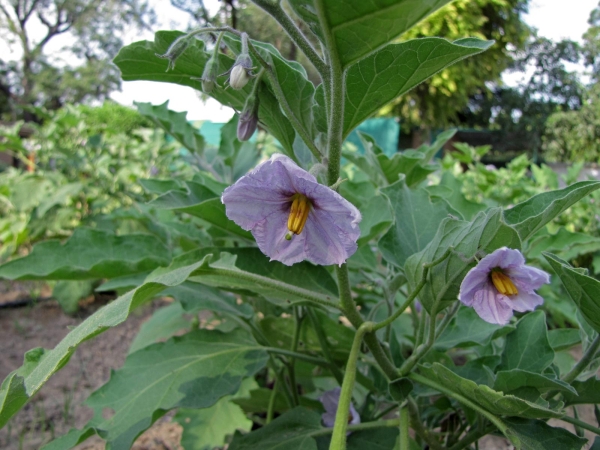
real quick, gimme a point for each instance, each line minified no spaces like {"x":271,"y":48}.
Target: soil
{"x":58,"y":406}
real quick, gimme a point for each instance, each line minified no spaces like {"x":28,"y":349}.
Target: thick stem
{"x":404,"y":421}
{"x":338,"y":439}
{"x":583,"y":362}
{"x":290,"y":27}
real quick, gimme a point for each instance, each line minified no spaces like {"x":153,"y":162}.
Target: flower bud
{"x":175,"y":50}
{"x":248,"y":120}
{"x":209,"y":76}
{"x":241,"y":72}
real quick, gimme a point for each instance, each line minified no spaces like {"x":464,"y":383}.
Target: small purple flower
{"x":292,"y":217}
{"x":330,"y":400}
{"x":500,"y":284}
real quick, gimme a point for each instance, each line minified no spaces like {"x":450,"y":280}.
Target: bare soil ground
{"x":59,"y":406}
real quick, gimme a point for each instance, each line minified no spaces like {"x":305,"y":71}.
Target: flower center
{"x":298,"y":215}
{"x":503,"y":284}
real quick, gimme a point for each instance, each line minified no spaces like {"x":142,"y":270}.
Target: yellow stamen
{"x":298,"y":214}
{"x":503,"y":284}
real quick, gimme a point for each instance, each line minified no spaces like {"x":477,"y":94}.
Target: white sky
{"x":555,"y":19}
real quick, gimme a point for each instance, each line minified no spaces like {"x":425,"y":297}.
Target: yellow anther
{"x":503,"y":284}
{"x":298,"y":214}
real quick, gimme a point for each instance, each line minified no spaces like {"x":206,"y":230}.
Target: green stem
{"x":418,"y":426}
{"x":338,"y":439}
{"x":583,"y":362}
{"x":581,"y":424}
{"x":404,"y":421}
{"x":279,"y":14}
{"x":337,"y":373}
{"x":473,"y":436}
{"x":281,"y":381}
{"x":260,"y":280}
{"x":360,"y":426}
{"x":337,"y":90}
{"x":465,"y":401}
{"x":302,"y":356}
{"x":292,"y":364}
{"x":271,"y":406}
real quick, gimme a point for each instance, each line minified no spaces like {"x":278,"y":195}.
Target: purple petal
{"x":270,"y":237}
{"x":503,"y":257}
{"x":525,"y":301}
{"x":528,"y":278}
{"x":475,"y":280}
{"x":492,"y":306}
{"x":330,"y":400}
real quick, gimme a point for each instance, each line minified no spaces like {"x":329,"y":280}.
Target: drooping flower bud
{"x":209,"y":76}
{"x":176,"y":49}
{"x":248,"y":120}
{"x":241,"y":72}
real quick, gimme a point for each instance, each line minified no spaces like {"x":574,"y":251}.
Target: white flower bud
{"x":239,"y":77}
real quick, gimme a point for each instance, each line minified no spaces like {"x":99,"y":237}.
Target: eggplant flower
{"x":292,"y":217}
{"x":330,"y":400}
{"x":500,"y":284}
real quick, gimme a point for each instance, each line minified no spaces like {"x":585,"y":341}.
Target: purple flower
{"x":500,"y":284}
{"x":330,"y":400}
{"x":292,"y":217}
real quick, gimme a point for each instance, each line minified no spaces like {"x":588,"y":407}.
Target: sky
{"x":552,"y":19}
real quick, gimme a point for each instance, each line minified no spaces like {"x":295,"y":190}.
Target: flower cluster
{"x":500,"y":284}
{"x":292,"y":217}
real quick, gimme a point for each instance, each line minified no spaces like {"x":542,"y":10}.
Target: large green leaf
{"x":360,"y":28}
{"x":397,"y":68}
{"x":468,"y":329}
{"x":231,"y":268}
{"x":138,"y":61}
{"x":192,"y":371}
{"x":88,"y":254}
{"x":527,"y":348}
{"x":20,"y":385}
{"x":567,"y":244}
{"x":416,"y":220}
{"x":583,"y":290}
{"x":207,"y":428}
{"x":533,"y":214}
{"x":588,"y":391}
{"x":484,"y":234}
{"x":175,"y":124}
{"x":489,"y":399}
{"x":509,"y":381}
{"x":537,"y":435}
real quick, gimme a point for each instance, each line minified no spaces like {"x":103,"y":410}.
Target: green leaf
{"x":416,"y":220}
{"x":531,"y":215}
{"x":68,"y":293}
{"x":484,"y":234}
{"x":468,"y":329}
{"x":361,"y":28}
{"x":20,"y":385}
{"x":508,"y":381}
{"x":489,"y":399}
{"x":569,"y":245}
{"x":397,"y":68}
{"x":163,"y":324}
{"x":259,"y":399}
{"x":467,"y":208}
{"x":189,"y":193}
{"x":138,"y":61}
{"x":175,"y":124}
{"x":88,"y":254}
{"x":588,"y":391}
{"x":563,"y":338}
{"x":527,"y":347}
{"x":378,"y":439}
{"x":537,"y":435}
{"x":196,"y":297}
{"x":583,"y":290}
{"x":192,"y":371}
{"x":207,"y":428}
{"x":229,"y":266}
{"x":376,"y":217}
{"x":292,"y":431}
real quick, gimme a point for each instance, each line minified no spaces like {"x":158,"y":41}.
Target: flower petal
{"x":270,"y":237}
{"x":525,"y":301}
{"x":475,"y":280}
{"x":503,"y":257}
{"x":528,"y":278}
{"x":492,"y":306}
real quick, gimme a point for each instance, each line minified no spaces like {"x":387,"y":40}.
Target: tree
{"x":591,"y":47}
{"x":80,"y":71}
{"x":439,"y":101}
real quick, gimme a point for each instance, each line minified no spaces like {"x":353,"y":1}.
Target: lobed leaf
{"x":531,"y":215}
{"x":88,"y":254}
{"x":583,"y":290}
{"x":537,"y":435}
